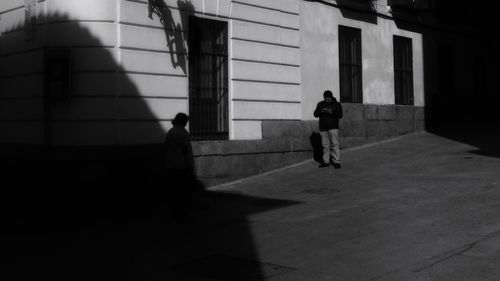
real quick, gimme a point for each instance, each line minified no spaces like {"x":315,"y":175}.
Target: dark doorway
{"x":208,"y":79}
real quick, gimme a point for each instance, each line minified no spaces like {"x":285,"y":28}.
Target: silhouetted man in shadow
{"x":179,"y":164}
{"x":329,"y":112}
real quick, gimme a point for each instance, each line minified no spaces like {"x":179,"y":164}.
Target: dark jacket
{"x":329,"y":114}
{"x":179,"y":153}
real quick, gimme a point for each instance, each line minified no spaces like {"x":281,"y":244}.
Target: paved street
{"x":422,"y":207}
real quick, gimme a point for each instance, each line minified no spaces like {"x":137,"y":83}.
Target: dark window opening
{"x":58,"y":74}
{"x":446,"y":66}
{"x":208,"y":79}
{"x":351,"y":82}
{"x":403,"y":70}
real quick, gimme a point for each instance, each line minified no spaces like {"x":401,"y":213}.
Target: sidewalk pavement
{"x":422,"y":207}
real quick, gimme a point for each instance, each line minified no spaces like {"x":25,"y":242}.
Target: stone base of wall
{"x":367,"y":123}
{"x":283,"y":143}
{"x":287,"y":142}
{"x":129,"y":171}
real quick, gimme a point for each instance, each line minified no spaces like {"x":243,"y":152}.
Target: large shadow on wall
{"x":361,"y":10}
{"x":468,"y":119}
{"x":102,"y":212}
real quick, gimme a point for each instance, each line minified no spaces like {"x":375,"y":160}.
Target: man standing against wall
{"x":329,"y":112}
{"x":180,"y":166}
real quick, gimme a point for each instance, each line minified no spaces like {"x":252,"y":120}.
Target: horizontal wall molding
{"x":91,"y":96}
{"x":268,"y":24}
{"x":22,"y":52}
{"x":123,"y":120}
{"x":265,"y":42}
{"x":14,"y":98}
{"x":263,"y":81}
{"x":11,"y":9}
{"x":97,"y":120}
{"x":14,"y":30}
{"x":145,"y":120}
{"x":42,"y":23}
{"x":266,"y":101}
{"x":96,"y":71}
{"x":146,"y":26}
{"x":152,"y":97}
{"x":21,"y":74}
{"x":137,"y":1}
{"x":37,"y":49}
{"x":177,"y":8}
{"x":152,"y":50}
{"x":152,"y":73}
{"x":266,"y":62}
{"x":51,"y":22}
{"x":95,"y":96}
{"x":266,"y":8}
{"x":260,"y":119}
{"x":222,"y":17}
{"x":85,"y":46}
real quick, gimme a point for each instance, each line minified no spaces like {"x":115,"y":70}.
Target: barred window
{"x":403,"y":70}
{"x":208,"y":79}
{"x":351,"y":80}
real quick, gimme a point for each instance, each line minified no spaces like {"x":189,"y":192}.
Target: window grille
{"x":351,"y":80}
{"x":403,"y":70}
{"x":208,"y":79}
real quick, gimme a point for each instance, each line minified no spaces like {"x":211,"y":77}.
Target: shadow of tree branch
{"x":174,"y":32}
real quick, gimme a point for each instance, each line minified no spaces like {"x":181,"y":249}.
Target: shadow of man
{"x":315,"y":141}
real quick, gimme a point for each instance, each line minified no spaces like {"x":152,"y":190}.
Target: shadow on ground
{"x":100,"y":212}
{"x":317,"y":147}
{"x":485,"y":136}
{"x":466,"y":120}
{"x":78,"y":241}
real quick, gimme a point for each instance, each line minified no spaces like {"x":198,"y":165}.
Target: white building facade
{"x":248,"y":72}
